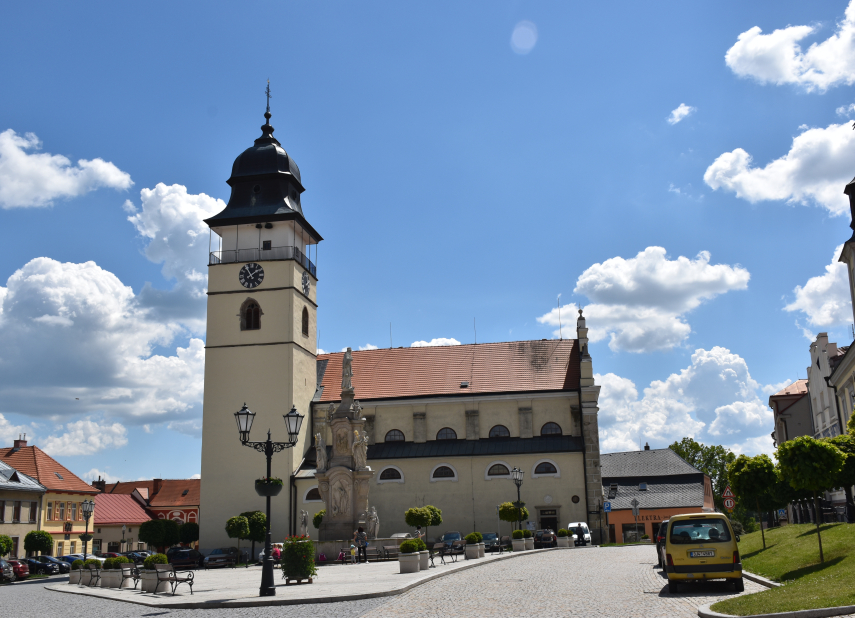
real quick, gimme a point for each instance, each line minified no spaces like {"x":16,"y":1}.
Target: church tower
{"x":261,"y":335}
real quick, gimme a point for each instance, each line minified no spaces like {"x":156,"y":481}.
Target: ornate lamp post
{"x":293,"y":422}
{"x":88,"y":507}
{"x":517,"y":476}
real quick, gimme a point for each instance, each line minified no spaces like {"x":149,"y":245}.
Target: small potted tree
{"x":481,"y":549}
{"x":529,"y":539}
{"x":408,"y":556}
{"x":298,"y":560}
{"x":268,"y":486}
{"x":518,"y":540}
{"x":148,"y":577}
{"x":75,"y":574}
{"x":424,"y":555}
{"x":564,"y":538}
{"x":472,"y":546}
{"x":85,"y":573}
{"x":237,"y":527}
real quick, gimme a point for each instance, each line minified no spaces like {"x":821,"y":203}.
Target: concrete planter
{"x":110,"y":579}
{"x":74,"y":576}
{"x":85,"y":577}
{"x":148,"y":580}
{"x":529,"y":543}
{"x":481,"y":550}
{"x":128,"y":583}
{"x":519,"y":544}
{"x":564,"y":541}
{"x":410,"y":563}
{"x":471,"y":551}
{"x":424,"y":560}
{"x":163,"y":586}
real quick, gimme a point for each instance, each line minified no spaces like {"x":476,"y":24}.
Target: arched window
{"x":545,"y":467}
{"x":390,"y":474}
{"x":250,"y":315}
{"x":500,"y":431}
{"x":551,"y":429}
{"x":446,"y":433}
{"x":305,"y":322}
{"x":395,"y":435}
{"x":443,"y":472}
{"x":498,"y":470}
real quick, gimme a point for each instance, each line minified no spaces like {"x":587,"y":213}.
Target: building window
{"x":446,"y":433}
{"x":73,"y":547}
{"x":305,"y":322}
{"x":73,"y":510}
{"x":250,"y":315}
{"x":59,"y":548}
{"x":2,"y":511}
{"x":551,"y":429}
{"x":391,"y":474}
{"x":49,"y":511}
{"x":61,"y":509}
{"x":642,"y":487}
{"x":395,"y":435}
{"x":313,"y":495}
{"x":545,"y":467}
{"x":498,"y":470}
{"x":500,"y":431}
{"x":266,"y":245}
{"x":445,"y":473}
{"x":16,"y":512}
{"x":34,"y":509}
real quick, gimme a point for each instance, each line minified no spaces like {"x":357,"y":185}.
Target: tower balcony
{"x":232,"y":256}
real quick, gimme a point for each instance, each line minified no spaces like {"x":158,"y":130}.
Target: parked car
{"x":660,"y":543}
{"x":137,"y":556}
{"x":223,"y":556}
{"x":490,"y":539}
{"x":108,"y":554}
{"x":449,"y":537}
{"x":581,"y":534}
{"x":72,"y":557}
{"x":186,"y":558}
{"x":545,"y":538}
{"x":20,"y":568}
{"x":64,"y":567}
{"x":43,"y":568}
{"x":6,"y":572}
{"x":701,"y":547}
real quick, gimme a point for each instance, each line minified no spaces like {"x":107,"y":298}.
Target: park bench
{"x":438,"y":549}
{"x":390,"y":551}
{"x":503,"y":545}
{"x":373,"y":552}
{"x":166,"y":573}
{"x":94,"y":575}
{"x":130,"y":572}
{"x":458,"y":548}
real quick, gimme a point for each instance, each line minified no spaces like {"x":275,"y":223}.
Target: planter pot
{"x":85,"y":577}
{"x":529,"y":543}
{"x":128,"y":583}
{"x":74,"y":576}
{"x":519,"y":544}
{"x":148,"y":580}
{"x":111,"y":578}
{"x":424,"y":560}
{"x":564,"y":541}
{"x":481,"y":550}
{"x":471,"y":551}
{"x":163,"y":586}
{"x":410,"y":563}
{"x":266,"y":489}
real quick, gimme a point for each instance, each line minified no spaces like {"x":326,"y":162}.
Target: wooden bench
{"x":390,"y":551}
{"x":438,"y":549}
{"x":130,"y":572}
{"x":166,"y":573}
{"x":94,"y":575}
{"x":373,"y":552}
{"x":458,"y":548}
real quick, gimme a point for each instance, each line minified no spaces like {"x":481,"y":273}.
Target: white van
{"x":579,"y":531}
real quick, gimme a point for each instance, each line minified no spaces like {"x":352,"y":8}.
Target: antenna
{"x":475,"y":328}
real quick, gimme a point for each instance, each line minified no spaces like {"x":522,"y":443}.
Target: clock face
{"x":251,"y":275}
{"x":306,"y":283}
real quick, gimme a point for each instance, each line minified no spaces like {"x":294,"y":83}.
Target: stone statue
{"x":304,"y":522}
{"x":347,"y":371}
{"x":373,"y":523}
{"x":321,"y":452}
{"x":340,"y":498}
{"x":357,"y":409}
{"x":360,"y":450}
{"x":330,"y":412}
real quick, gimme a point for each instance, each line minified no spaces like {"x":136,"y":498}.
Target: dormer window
{"x":642,"y":487}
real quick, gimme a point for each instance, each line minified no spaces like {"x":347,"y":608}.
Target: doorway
{"x":548,"y":519}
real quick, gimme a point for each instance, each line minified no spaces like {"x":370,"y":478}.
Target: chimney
{"x":646,"y":446}
{"x":157,"y":484}
{"x":21,"y":442}
{"x":100,"y":485}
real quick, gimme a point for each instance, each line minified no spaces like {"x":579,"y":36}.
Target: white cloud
{"x":322,"y":351}
{"x":85,"y":437}
{"x":681,"y":112}
{"x":640,"y":303}
{"x":10,"y":431}
{"x":844,"y":110}
{"x":825,"y":299}
{"x":94,"y":473}
{"x":37,"y":179}
{"x":434,"y":342}
{"x":714,"y":399}
{"x":524,"y":37}
{"x":777,"y":58}
{"x":815,"y":170}
{"x":196,"y":476}
{"x":192,"y":427}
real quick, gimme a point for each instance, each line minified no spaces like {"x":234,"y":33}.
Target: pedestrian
{"x":419,"y":533}
{"x":276,"y":553}
{"x":361,"y":540}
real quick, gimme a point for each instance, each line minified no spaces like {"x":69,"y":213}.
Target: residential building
{"x":792,"y":412}
{"x":824,"y":357}
{"x":176,"y":499}
{"x":20,"y":500}
{"x":663,"y":483}
{"x":113,"y":512}
{"x":61,"y":514}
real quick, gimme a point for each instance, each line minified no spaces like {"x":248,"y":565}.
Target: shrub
{"x":122,"y":560}
{"x":422,"y":545}
{"x":563,"y":532}
{"x":154,"y":559}
{"x":409,"y":547}
{"x":508,"y":512}
{"x":517,"y":534}
{"x":77,"y":564}
{"x":645,"y":536}
{"x":188,"y":533}
{"x":298,"y":558}
{"x":109,"y":564}
{"x":737,"y":527}
{"x":6,"y":544}
{"x":527,"y":534}
{"x":318,"y":518}
{"x":471,"y":538}
{"x":39,"y":541}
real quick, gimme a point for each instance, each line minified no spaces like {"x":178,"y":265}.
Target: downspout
{"x":836,"y":404}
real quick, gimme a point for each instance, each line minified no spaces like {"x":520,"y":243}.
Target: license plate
{"x":701,"y":554}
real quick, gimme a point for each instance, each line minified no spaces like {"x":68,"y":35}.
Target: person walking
{"x":361,"y":540}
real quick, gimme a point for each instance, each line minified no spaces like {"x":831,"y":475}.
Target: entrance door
{"x":548,"y":522}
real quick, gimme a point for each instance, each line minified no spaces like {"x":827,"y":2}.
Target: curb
{"x":757,"y":579}
{"x":268,"y":601}
{"x":706,"y":612}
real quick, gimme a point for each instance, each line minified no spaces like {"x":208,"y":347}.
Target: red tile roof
{"x":118,"y":509}
{"x":170,"y":494}
{"x":515,"y":366}
{"x":34,"y":462}
{"x":799,"y":387}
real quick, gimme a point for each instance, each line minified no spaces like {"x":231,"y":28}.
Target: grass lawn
{"x":791,"y":557}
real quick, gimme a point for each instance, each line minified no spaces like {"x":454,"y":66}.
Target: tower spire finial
{"x":267,"y":92}
{"x":266,"y":128}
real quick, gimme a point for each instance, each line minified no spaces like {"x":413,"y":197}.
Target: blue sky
{"x":676,"y":169}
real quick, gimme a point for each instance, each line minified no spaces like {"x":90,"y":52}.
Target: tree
{"x":38,"y":541}
{"x":257,"y":527}
{"x":811,"y":465}
{"x":711,"y":460}
{"x":151,"y":532}
{"x":6,"y":545}
{"x":846,"y":478}
{"x":435,"y":517}
{"x":318,"y":518}
{"x":509,"y":512}
{"x":237,"y":528}
{"x":189,"y":533}
{"x":418,"y":516}
{"x":750,"y":479}
{"x":171,"y":535}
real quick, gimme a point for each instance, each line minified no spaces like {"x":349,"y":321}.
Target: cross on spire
{"x":267,"y":92}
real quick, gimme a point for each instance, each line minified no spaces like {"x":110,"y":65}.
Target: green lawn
{"x":791,"y":557}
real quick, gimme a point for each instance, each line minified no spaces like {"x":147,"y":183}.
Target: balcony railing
{"x":256,"y":255}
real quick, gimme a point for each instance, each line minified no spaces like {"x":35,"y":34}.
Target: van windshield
{"x":700,"y":531}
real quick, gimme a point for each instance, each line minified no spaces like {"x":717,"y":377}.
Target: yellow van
{"x":701,"y":547}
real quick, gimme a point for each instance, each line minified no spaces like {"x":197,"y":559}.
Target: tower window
{"x":305,"y":322}
{"x":250,"y":315}
{"x":500,"y":431}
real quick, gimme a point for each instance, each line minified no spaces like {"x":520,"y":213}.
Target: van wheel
{"x":672,"y":587}
{"x":739,"y":585}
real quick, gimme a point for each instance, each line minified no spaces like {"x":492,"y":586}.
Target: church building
{"x":438,"y":425}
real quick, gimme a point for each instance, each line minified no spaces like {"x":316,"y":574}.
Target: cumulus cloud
{"x":825,"y":299}
{"x":95,"y":473}
{"x":10,"y":431}
{"x":640,"y":303}
{"x":32,"y":179}
{"x":196,"y":476}
{"x":680,"y":113}
{"x":192,"y":427}
{"x":524,"y":37}
{"x":814,"y":171}
{"x":777,"y":58}
{"x":434,"y":342}
{"x":713,"y":399}
{"x":85,"y":437}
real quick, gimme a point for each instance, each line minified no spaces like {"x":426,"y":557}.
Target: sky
{"x":675,"y":169}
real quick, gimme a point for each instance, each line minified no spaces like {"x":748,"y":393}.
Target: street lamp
{"x":293,"y":422}
{"x":124,"y":528}
{"x":517,"y":476}
{"x":88,"y":507}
